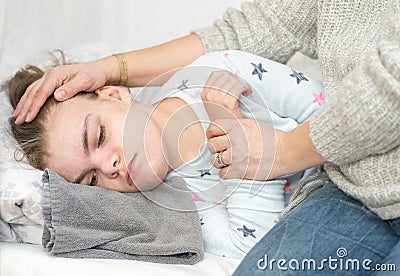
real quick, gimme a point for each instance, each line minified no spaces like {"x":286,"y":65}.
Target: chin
{"x":150,"y":179}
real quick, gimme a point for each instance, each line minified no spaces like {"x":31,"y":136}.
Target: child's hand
{"x":221,"y":95}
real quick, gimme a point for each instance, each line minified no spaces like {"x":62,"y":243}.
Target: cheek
{"x":66,"y":169}
{"x":151,"y":175}
{"x":152,"y":139}
{"x":153,"y":147}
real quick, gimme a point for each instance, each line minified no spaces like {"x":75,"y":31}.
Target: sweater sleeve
{"x":273,"y":29}
{"x":362,"y":115}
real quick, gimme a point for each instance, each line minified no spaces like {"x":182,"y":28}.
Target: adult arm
{"x":143,"y":66}
{"x":362,"y":116}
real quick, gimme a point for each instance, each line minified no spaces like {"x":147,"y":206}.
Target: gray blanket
{"x":91,"y":222}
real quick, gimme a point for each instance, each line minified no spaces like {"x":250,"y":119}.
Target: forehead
{"x":68,"y":118}
{"x":66,"y":155}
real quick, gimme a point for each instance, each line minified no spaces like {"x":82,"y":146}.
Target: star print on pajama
{"x":247,"y":232}
{"x":204,"y":172}
{"x":196,"y":197}
{"x":287,"y":188}
{"x":299,"y":76}
{"x":258,"y":70}
{"x":318,"y":98}
{"x":183,"y":85}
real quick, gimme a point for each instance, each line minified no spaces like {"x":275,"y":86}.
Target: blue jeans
{"x":328,"y":233}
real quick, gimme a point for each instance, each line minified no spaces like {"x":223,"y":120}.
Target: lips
{"x":131,"y":171}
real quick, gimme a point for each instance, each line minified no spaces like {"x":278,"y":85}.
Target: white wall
{"x":28,"y":27}
{"x":87,"y":28}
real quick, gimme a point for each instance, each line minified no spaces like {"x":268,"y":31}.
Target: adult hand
{"x":221,"y":95}
{"x":65,"y":81}
{"x":247,"y":146}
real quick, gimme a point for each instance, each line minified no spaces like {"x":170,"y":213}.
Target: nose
{"x":112,"y":165}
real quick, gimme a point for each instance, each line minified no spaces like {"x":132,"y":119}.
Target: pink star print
{"x":287,"y":188}
{"x":226,"y":55}
{"x":196,"y":197}
{"x":318,"y":98}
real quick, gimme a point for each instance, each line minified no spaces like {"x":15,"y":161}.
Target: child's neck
{"x":182,"y":132}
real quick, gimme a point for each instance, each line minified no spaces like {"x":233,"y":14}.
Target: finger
{"x":224,"y":84}
{"x":70,"y":84}
{"x":67,"y":91}
{"x":62,"y":93}
{"x":31,"y":107}
{"x":212,"y":78}
{"x":237,"y":112}
{"x":229,"y":103}
{"x":240,"y":89}
{"x":217,"y":91}
{"x":225,"y":109}
{"x":223,"y":172}
{"x":25,"y":103}
{"x":225,"y":158}
{"x":231,"y":100}
{"x":209,"y":83}
{"x":36,"y":95}
{"x":217,"y":79}
{"x":231,"y":171}
{"x":247,"y":90}
{"x":220,"y":127}
{"x":219,"y":143}
{"x":24,"y":96}
{"x":227,"y":172}
{"x":214,"y":161}
{"x":208,"y":92}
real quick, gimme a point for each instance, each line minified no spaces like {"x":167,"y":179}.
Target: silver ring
{"x":220,"y":162}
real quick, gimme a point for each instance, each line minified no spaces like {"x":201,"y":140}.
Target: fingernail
{"x":28,"y":117}
{"x":60,"y":94}
{"x":16,"y":112}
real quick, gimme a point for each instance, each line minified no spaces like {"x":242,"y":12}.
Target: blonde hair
{"x":32,"y":137}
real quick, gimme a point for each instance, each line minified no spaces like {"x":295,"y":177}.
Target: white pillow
{"x":20,"y":184}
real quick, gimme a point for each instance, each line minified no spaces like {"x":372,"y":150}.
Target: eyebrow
{"x":85,"y":145}
{"x":85,"y":142}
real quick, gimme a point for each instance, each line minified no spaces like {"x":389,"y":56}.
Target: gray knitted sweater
{"x":357,"y":43}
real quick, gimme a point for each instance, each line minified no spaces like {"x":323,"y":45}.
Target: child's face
{"x":87,"y":141}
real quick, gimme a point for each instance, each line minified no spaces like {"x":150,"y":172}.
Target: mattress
{"x":27,"y":259}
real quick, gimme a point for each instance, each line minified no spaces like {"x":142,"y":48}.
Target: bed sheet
{"x":27,"y":259}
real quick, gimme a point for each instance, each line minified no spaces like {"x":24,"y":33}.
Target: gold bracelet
{"x":123,"y":69}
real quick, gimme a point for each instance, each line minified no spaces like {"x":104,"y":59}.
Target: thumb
{"x":237,"y":113}
{"x":220,"y":127}
{"x":65,"y":92}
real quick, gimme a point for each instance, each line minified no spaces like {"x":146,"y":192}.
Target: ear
{"x":115,"y":92}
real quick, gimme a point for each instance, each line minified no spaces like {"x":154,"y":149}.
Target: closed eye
{"x":93,"y":180}
{"x":102,"y":135}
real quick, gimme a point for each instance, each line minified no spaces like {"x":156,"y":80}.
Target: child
{"x":108,"y":140}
